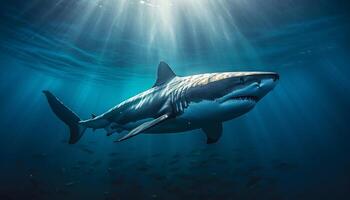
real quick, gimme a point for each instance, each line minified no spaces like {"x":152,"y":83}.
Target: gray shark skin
{"x":176,"y":104}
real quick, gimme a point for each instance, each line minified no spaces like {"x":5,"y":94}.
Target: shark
{"x":175,"y":104}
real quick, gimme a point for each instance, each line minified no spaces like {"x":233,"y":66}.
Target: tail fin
{"x":67,"y":116}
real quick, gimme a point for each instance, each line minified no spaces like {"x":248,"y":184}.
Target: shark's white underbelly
{"x":195,"y":116}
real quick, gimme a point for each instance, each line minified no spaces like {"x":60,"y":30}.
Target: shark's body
{"x":176,"y":104}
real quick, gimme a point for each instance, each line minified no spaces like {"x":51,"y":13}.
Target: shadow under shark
{"x":176,"y":104}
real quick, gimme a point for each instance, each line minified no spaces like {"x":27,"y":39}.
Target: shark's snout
{"x":268,"y":82}
{"x":263,"y":82}
{"x":252,"y":87}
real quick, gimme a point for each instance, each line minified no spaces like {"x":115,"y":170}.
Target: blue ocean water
{"x":94,"y":54}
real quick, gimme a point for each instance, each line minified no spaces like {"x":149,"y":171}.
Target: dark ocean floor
{"x":196,"y":174}
{"x":201,"y":172}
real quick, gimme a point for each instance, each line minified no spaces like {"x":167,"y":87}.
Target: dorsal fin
{"x":164,"y":75}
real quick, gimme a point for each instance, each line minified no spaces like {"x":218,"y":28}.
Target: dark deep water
{"x":93,"y":54}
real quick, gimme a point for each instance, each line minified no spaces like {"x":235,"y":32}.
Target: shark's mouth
{"x":245,"y":98}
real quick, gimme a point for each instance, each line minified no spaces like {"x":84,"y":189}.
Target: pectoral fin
{"x":143,"y":127}
{"x":213,"y":132}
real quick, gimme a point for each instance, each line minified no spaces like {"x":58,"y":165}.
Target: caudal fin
{"x":67,"y":116}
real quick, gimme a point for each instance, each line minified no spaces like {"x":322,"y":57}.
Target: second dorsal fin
{"x":165,"y":74}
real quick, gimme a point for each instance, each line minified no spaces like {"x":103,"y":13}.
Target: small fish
{"x":62,"y":192}
{"x":69,"y":183}
{"x":63,"y":170}
{"x":203,"y":163}
{"x":284,"y":166}
{"x":113,"y":154}
{"x":87,"y":150}
{"x":185,"y":177}
{"x":253,"y":180}
{"x":40,"y":156}
{"x":33,"y":180}
{"x":176,"y":156}
{"x":156,"y":155}
{"x":97,"y":163}
{"x":195,"y":152}
{"x":174,"y":169}
{"x":173,"y":162}
{"x":19,"y":163}
{"x":158,"y":177}
{"x":255,"y":168}
{"x":213,"y":155}
{"x":106,"y":193}
{"x":142,"y":168}
{"x":81,"y":162}
{"x":76,"y":167}
{"x":238,"y":159}
{"x":219,"y":161}
{"x":118,"y":181}
{"x":236,"y":149}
